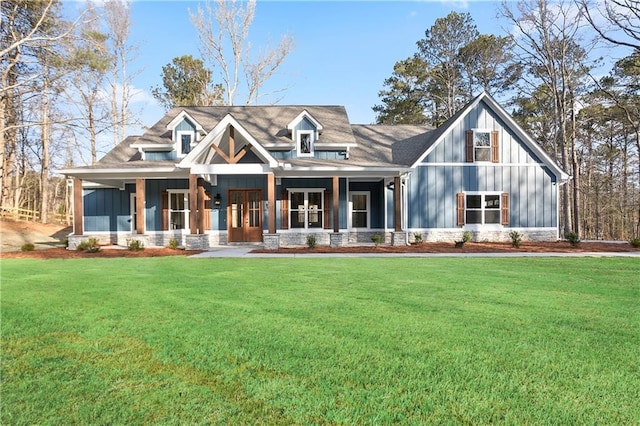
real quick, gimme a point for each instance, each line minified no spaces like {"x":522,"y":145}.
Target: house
{"x":206,"y":176}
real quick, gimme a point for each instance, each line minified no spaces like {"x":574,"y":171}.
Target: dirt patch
{"x":13,"y":234}
{"x":483,"y":247}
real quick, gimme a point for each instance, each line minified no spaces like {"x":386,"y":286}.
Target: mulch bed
{"x":538,"y":247}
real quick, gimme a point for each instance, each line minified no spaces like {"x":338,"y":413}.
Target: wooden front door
{"x":244,"y":215}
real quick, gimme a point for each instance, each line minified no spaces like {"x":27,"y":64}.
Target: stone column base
{"x":196,"y":242}
{"x":399,"y":238}
{"x":271,"y":241}
{"x":338,"y":239}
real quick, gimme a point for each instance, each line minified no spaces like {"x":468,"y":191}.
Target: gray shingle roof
{"x":394,"y":145}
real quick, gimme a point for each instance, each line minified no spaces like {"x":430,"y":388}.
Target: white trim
{"x":299,"y":117}
{"x":484,"y":226}
{"x":185,"y":193}
{"x":368,"y":210}
{"x":204,"y":145}
{"x":180,"y":117}
{"x":230,"y":169}
{"x":488,"y":147}
{"x":178,"y":142}
{"x":483,"y":163}
{"x":306,"y":192}
{"x":511,"y":124}
{"x":132,"y":211}
{"x":299,"y":152}
{"x":154,"y":146}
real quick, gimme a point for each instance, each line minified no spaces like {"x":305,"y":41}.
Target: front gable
{"x":228,"y":144}
{"x":483,"y":133}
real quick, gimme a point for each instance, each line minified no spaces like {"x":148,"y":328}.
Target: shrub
{"x":573,"y":238}
{"x":90,"y":245}
{"x":173,"y":244}
{"x":28,"y":247}
{"x":635,"y":242}
{"x":135,"y":245}
{"x":377,"y":239}
{"x":311,"y":241}
{"x":417,"y":237}
{"x":467,"y":236}
{"x":516,"y":238}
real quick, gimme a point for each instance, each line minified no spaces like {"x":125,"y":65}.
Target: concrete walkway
{"x":245,"y":252}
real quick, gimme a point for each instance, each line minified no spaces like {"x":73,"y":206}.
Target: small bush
{"x":90,"y":245}
{"x":467,"y":236}
{"x":311,"y":241}
{"x":573,"y":238}
{"x":173,"y":244}
{"x":417,"y":237}
{"x":377,"y":239}
{"x":28,"y":247}
{"x":135,"y":245}
{"x":635,"y":242}
{"x":516,"y":238}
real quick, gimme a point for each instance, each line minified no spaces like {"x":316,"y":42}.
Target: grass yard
{"x":321,"y":341}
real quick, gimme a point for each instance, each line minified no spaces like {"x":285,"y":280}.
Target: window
{"x":483,"y":209}
{"x":482,"y":145}
{"x":306,"y":209}
{"x":305,"y":143}
{"x":359,"y":209}
{"x":178,"y":209}
{"x":185,"y":142}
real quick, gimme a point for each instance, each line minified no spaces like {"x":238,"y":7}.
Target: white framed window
{"x":307,"y":208}
{"x":482,"y":145}
{"x":178,"y":209}
{"x":133,"y":211}
{"x":360,"y":206}
{"x":305,"y":143}
{"x":482,"y":209}
{"x":184,"y":142}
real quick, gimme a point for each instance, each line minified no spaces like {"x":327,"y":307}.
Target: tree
{"x":226,"y":25}
{"x":621,"y":24}
{"x":440,"y":50}
{"x":403,"y":100}
{"x":187,"y":83}
{"x":117,"y":18}
{"x":548,"y":44}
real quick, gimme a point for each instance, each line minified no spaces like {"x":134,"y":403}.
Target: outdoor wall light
{"x":216,"y":201}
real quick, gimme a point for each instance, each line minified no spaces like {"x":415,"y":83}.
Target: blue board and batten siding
{"x":107,"y":209}
{"x":433,"y":185}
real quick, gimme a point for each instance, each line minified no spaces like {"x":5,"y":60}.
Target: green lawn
{"x":316,"y":341}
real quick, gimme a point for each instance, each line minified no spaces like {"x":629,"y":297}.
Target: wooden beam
{"x":221,"y":153}
{"x":336,"y":202}
{"x":78,"y":210}
{"x":271,"y":200}
{"x":193,"y":204}
{"x":241,"y":153}
{"x":232,"y":143}
{"x":201,"y":212}
{"x":140,"y":198}
{"x":397,"y":204}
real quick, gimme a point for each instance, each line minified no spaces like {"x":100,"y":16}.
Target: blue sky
{"x":343,"y":50}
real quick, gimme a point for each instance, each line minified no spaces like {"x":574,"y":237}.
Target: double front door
{"x":244,"y":215}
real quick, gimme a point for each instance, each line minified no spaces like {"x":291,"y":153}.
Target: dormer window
{"x":184,"y":142}
{"x":305,"y":143}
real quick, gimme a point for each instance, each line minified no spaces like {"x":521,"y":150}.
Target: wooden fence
{"x":14,"y":213}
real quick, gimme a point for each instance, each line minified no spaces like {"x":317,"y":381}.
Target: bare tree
{"x":621,"y":20}
{"x":118,"y":22}
{"x":549,"y":43}
{"x":224,"y":26}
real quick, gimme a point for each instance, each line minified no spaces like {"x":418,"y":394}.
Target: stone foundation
{"x":399,"y":238}
{"x":338,"y":239}
{"x":196,"y":242}
{"x":271,"y":241}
